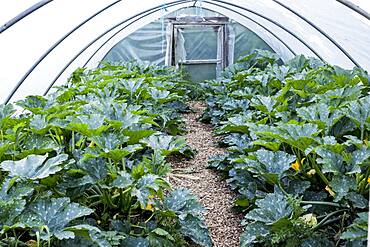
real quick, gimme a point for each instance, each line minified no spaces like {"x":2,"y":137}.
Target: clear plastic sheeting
{"x":10,"y":9}
{"x":246,"y":41}
{"x":363,"y":4}
{"x":26,"y":41}
{"x":200,"y":72}
{"x":147,"y":43}
{"x":57,"y":25}
{"x":298,"y":27}
{"x":197,"y":43}
{"x":45,"y":47}
{"x":348,"y":28}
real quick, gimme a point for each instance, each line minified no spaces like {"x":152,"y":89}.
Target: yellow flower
{"x":150,"y":203}
{"x":368,"y":180}
{"x":311,"y":172}
{"x":297,"y":164}
{"x":331,"y":192}
{"x":149,"y":207}
{"x":92,"y":144}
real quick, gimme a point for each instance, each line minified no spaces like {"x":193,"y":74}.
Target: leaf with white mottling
{"x":34,"y":166}
{"x":56,"y":214}
{"x":270,"y":209}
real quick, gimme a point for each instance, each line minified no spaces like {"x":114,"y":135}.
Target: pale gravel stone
{"x":212,"y":191}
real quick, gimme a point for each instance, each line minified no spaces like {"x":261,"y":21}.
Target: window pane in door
{"x":197,"y":43}
{"x":200,"y":72}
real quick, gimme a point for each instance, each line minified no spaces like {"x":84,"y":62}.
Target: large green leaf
{"x":195,"y":228}
{"x":33,"y":103}
{"x":34,"y":166}
{"x":119,"y":154}
{"x":263,"y":103}
{"x":237,"y":124}
{"x":56,"y":214}
{"x":37,"y":144}
{"x":315,"y":241}
{"x":360,"y":156}
{"x":160,"y":240}
{"x":122,"y":181}
{"x":274,"y":164}
{"x":252,"y":234}
{"x":271,"y":209}
{"x":188,"y":209}
{"x":6,"y":111}
{"x":331,"y":161}
{"x":9,"y":211}
{"x":88,"y":125}
{"x":300,"y":136}
{"x":183,"y":202}
{"x":342,"y":185}
{"x":109,"y":141}
{"x":12,"y":202}
{"x":135,"y":136}
{"x":161,"y":96}
{"x":359,"y":111}
{"x":358,"y":230}
{"x":340,"y":96}
{"x":167,"y":144}
{"x":132,"y":86}
{"x":319,"y":114}
{"x":145,"y":187}
{"x":95,"y":169}
{"x":39,"y":124}
{"x":135,"y":242}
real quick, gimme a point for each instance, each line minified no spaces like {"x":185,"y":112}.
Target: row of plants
{"x":86,"y":165}
{"x":297,"y":149}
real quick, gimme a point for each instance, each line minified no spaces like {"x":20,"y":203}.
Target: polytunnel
{"x":41,"y":45}
{"x":181,"y":123}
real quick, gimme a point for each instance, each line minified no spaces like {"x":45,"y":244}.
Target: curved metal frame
{"x":355,"y":8}
{"x":24,"y":77}
{"x":272,"y":21}
{"x":154,"y":9}
{"x":44,"y":2}
{"x":23,"y":14}
{"x":268,"y":30}
{"x":174,"y":3}
{"x":259,"y":24}
{"x":320,"y":31}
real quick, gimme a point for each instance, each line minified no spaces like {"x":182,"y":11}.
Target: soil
{"x":212,"y":191}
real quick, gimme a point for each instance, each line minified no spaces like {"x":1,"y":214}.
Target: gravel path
{"x":211,"y":189}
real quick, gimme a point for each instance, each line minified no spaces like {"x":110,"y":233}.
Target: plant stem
{"x":52,"y":136}
{"x":322,"y":203}
{"x":124,"y":164}
{"x":282,"y":189}
{"x":151,"y":216}
{"x":73,"y":141}
{"x":16,"y":238}
{"x":137,"y":226}
{"x":318,"y":171}
{"x":321,"y":223}
{"x":363,"y":186}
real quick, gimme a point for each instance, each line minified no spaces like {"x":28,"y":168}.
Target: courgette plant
{"x":86,"y":165}
{"x":297,"y":149}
